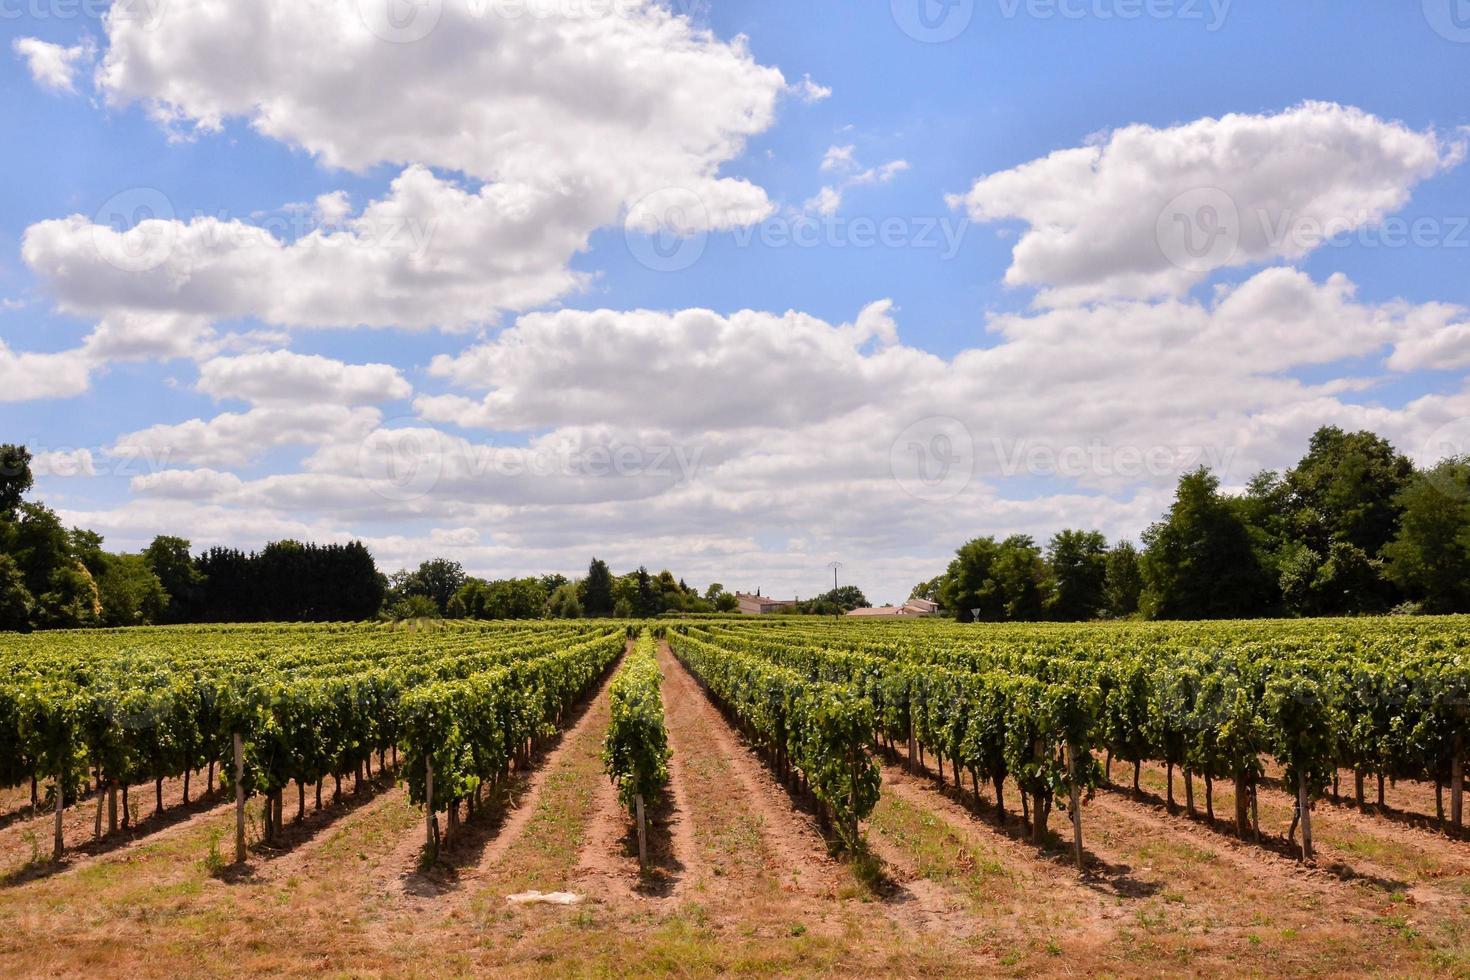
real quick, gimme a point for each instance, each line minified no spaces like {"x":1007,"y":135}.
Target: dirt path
{"x":787,"y":834}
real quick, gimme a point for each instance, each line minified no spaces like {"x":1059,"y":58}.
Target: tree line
{"x":1353,"y":529}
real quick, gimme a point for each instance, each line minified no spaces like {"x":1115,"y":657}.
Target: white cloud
{"x":284,"y":377}
{"x":136,"y":336}
{"x":430,"y":253}
{"x":27,"y":376}
{"x":558,"y":368}
{"x":838,"y":158}
{"x":52,"y":66}
{"x":810,"y":92}
{"x":331,"y":209}
{"x":842,"y":160}
{"x":827,"y":202}
{"x":234,"y":439}
{"x":1107,"y":219}
{"x":200,"y":484}
{"x":796,"y":430}
{"x":64,"y":463}
{"x":578,"y":117}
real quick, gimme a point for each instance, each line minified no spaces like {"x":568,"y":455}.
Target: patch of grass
{"x":940,"y":853}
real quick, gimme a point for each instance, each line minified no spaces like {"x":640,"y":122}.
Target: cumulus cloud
{"x":27,"y":376}
{"x":237,"y":438}
{"x":1148,"y":212}
{"x":570,"y":122}
{"x":199,"y":484}
{"x":282,"y":376}
{"x":53,"y":66}
{"x":790,"y":427}
{"x":430,"y":253}
{"x":711,"y":370}
{"x":64,"y":463}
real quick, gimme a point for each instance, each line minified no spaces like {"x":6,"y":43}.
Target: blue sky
{"x":779,"y":495}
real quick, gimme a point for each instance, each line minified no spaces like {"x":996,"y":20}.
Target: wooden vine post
{"x":239,"y":745}
{"x":913,"y":761}
{"x":1304,"y":805}
{"x":431,"y":842}
{"x":1457,"y":783}
{"x":1076,"y":806}
{"x":59,"y":845}
{"x":642,"y":833}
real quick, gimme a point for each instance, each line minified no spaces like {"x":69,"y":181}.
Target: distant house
{"x":759,"y":605}
{"x":913,"y":609}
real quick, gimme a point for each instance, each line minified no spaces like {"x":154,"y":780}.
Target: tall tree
{"x":965,"y":587}
{"x":1003,"y":581}
{"x":646,"y":596}
{"x":597,"y":592}
{"x":1346,"y":488}
{"x":169,"y":559}
{"x":1124,"y":583}
{"x":1430,"y":557}
{"x":131,"y":595}
{"x":439,"y":579}
{"x":17,"y":605}
{"x":15,"y":478}
{"x":1200,"y":561}
{"x":1077,"y":561}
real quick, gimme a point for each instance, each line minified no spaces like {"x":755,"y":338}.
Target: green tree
{"x":518,"y":598}
{"x":927,"y":590}
{"x":1200,"y":562}
{"x":130,"y":594}
{"x":597,"y":590}
{"x":1019,"y":574}
{"x":439,"y":579}
{"x":65,"y":591}
{"x":1077,"y":561}
{"x":564,"y":603}
{"x":1001,"y":580}
{"x":1123,"y":585}
{"x":470,"y":601}
{"x":17,"y":606}
{"x":1429,"y":559}
{"x":646,"y":596}
{"x":1346,"y":488}
{"x":169,"y":559}
{"x":15,"y":478}
{"x":965,"y":587}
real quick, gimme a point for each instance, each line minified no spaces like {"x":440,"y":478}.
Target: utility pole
{"x":834,"y":566}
